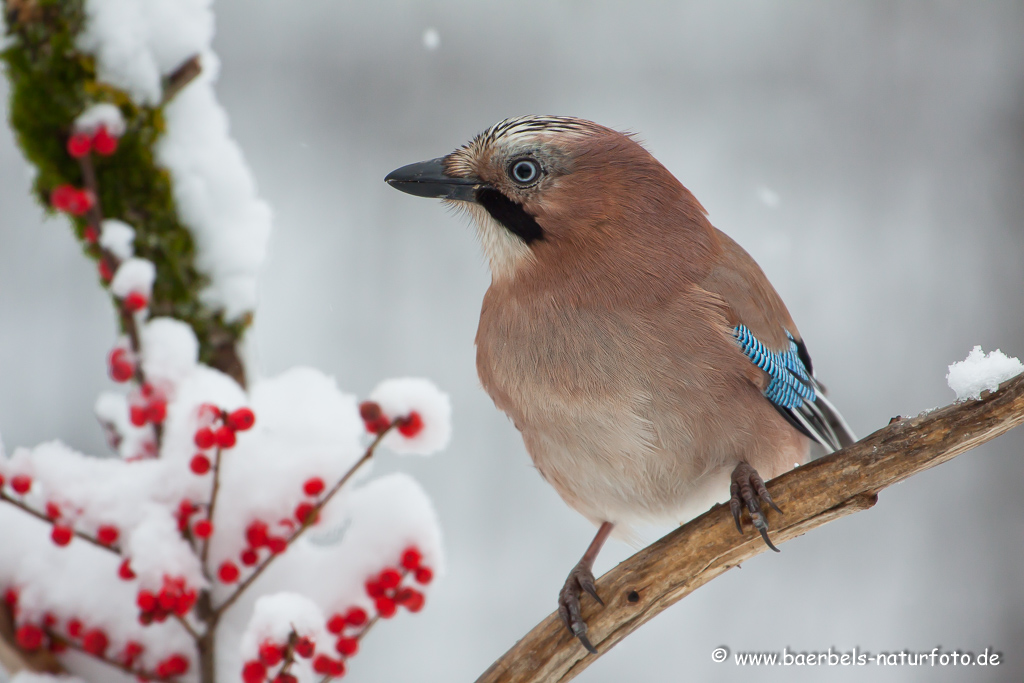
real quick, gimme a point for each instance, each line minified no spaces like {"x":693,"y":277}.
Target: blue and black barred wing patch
{"x":793,"y":390}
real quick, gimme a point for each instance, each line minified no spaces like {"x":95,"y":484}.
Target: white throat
{"x":506,"y":252}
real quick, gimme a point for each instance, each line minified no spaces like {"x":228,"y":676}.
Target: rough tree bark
{"x":815,"y":494}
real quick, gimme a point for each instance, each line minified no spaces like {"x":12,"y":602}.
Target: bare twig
{"x":181,"y":77}
{"x":812,"y":495}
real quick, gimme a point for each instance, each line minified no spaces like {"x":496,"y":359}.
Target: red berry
{"x":137,"y":414}
{"x":125,"y":570}
{"x":378,"y":426}
{"x":62,"y":196}
{"x":79,"y":145}
{"x":374,"y":589}
{"x":167,"y":600}
{"x":106,"y":272}
{"x":270,"y":653}
{"x":132,"y":649}
{"x":256,"y":533}
{"x":356,"y":616}
{"x":80,"y":201}
{"x":277,"y":544}
{"x":330,"y":667}
{"x":121,"y":368}
{"x":95,"y":642}
{"x":91,"y":234}
{"x":413,"y":600}
{"x":135,"y":301}
{"x":29,"y":637}
{"x":411,"y":558}
{"x":314,"y":486}
{"x":52,"y":510}
{"x":305,"y":647}
{"x":410,"y":426}
{"x":146,"y":601}
{"x":74,"y":627}
{"x":386,"y":607}
{"x":240,"y":420}
{"x":370,"y":411}
{"x":107,"y":534}
{"x":390,"y":577}
{"x":204,"y":438}
{"x":199,"y":464}
{"x":224,"y":437}
{"x":424,"y":575}
{"x":228,"y":572}
{"x":347,"y":646}
{"x":21,"y":483}
{"x":175,"y":665}
{"x":285,"y":678}
{"x":254,"y":672}
{"x":184,"y":603}
{"x":11,"y":597}
{"x":104,"y":142}
{"x":304,"y":512}
{"x":61,"y":534}
{"x":249,"y":557}
{"x":203,"y":528}
{"x":156,"y":411}
{"x":336,"y":624}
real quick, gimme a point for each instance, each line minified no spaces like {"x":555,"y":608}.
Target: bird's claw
{"x":580,"y":580}
{"x":747,"y":486}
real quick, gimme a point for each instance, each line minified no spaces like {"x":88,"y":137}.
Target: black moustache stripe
{"x":510,"y":214}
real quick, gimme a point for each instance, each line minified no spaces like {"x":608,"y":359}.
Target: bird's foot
{"x":580,"y":579}
{"x":747,"y":487}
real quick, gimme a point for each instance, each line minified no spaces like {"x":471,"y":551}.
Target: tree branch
{"x":810,"y":496}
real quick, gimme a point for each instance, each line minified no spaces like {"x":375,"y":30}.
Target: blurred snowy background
{"x":869,"y":155}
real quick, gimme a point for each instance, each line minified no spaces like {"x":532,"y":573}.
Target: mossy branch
{"x":810,"y":496}
{"x":51,"y":84}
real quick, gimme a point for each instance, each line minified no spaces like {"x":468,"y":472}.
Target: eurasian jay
{"x":641,"y":352}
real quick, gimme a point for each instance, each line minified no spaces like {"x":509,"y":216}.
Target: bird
{"x":643,"y":355}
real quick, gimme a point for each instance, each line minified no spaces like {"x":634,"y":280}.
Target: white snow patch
{"x":105,"y":114}
{"x":170,"y":350}
{"x":399,"y":398}
{"x":133,"y":275}
{"x":118,"y":238}
{"x":32,"y":677}
{"x":137,"y":43}
{"x":980,"y":372}
{"x":274,"y":617}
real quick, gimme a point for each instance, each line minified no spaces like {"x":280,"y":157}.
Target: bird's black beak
{"x":428,"y":179}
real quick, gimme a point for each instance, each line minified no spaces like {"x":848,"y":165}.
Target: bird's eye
{"x":524,"y":171}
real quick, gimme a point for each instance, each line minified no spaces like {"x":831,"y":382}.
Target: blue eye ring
{"x":524,"y":171}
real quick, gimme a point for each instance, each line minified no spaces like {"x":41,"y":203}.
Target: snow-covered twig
{"x":811,"y":495}
{"x":304,"y":524}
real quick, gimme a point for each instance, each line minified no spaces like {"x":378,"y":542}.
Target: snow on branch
{"x":812,"y":495}
{"x":234,"y":534}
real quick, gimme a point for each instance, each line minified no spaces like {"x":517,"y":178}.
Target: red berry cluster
{"x":219,"y":427}
{"x":149,"y":404}
{"x":120,"y":364}
{"x":94,"y":641}
{"x":102,"y":142}
{"x":377,"y":422}
{"x":174,"y":597}
{"x":71,"y":199}
{"x":272,"y":654}
{"x":373,"y":417}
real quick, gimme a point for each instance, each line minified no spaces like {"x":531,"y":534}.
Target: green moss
{"x":51,"y":84}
